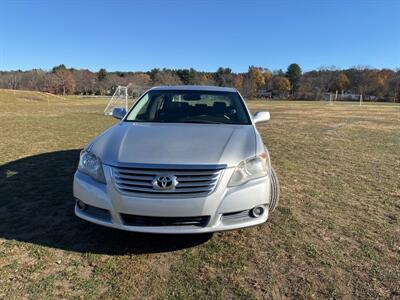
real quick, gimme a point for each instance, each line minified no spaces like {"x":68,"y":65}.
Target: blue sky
{"x":140,"y":35}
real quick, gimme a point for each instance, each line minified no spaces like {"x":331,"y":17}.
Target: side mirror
{"x":261,"y":116}
{"x":118,"y":113}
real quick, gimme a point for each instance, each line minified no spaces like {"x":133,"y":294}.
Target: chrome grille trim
{"x":196,"y":181}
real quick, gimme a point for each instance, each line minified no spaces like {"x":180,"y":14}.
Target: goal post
{"x":119,"y":99}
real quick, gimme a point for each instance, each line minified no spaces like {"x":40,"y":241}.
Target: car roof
{"x":194,"y":88}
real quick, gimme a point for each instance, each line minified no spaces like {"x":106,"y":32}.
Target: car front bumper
{"x":223,"y":209}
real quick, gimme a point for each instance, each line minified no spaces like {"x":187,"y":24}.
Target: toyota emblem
{"x":165,"y":182}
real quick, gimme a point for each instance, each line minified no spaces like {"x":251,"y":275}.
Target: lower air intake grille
{"x":236,"y":217}
{"x":134,"y":220}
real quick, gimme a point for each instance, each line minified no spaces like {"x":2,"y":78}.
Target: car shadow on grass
{"x":36,"y":206}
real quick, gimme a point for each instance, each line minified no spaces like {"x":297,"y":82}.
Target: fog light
{"x":81,"y":205}
{"x":257,"y":211}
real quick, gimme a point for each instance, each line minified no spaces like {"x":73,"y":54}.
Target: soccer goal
{"x":119,"y":99}
{"x":330,"y":97}
{"x":334,"y":97}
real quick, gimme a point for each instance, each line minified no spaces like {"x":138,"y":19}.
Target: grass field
{"x":335,"y":234}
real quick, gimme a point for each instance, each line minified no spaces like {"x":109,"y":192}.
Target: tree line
{"x":292,"y":83}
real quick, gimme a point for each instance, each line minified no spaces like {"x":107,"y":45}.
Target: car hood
{"x":172,"y":143}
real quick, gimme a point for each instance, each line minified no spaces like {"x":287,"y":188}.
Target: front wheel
{"x":273,"y":203}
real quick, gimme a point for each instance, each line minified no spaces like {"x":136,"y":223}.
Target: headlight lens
{"x":252,"y":168}
{"x":91,"y":165}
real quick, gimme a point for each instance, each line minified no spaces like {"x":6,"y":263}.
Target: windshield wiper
{"x":202,"y":122}
{"x":169,"y":121}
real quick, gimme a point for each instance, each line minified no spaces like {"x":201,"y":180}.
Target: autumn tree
{"x":280,"y":85}
{"x":66,"y":82}
{"x":394,"y":87}
{"x":33,"y":80}
{"x":84,"y":81}
{"x":381,"y":83}
{"x":13,"y":80}
{"x":139,"y":79}
{"x":238,"y":84}
{"x":365,"y":81}
{"x":267,"y":74}
{"x":204,"y":79}
{"x":340,"y":82}
{"x":256,"y":76}
{"x":384,"y":89}
{"x":61,"y":80}
{"x":255,"y":79}
{"x":164,"y":77}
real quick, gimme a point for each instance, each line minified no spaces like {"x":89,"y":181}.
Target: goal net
{"x":119,"y":99}
{"x":335,"y":97}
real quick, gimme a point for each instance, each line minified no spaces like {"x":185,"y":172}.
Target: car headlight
{"x":252,"y":168}
{"x":91,"y":165}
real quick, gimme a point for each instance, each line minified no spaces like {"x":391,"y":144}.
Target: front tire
{"x":273,"y":203}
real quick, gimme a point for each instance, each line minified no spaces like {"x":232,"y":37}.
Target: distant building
{"x":264,"y":94}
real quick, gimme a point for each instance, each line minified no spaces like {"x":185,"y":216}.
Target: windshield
{"x":183,"y":106}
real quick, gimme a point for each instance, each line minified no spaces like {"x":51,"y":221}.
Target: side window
{"x":139,"y":111}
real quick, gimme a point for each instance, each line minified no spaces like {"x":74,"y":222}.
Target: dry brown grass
{"x":336,"y":233}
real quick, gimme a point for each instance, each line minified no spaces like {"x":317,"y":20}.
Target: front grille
{"x":134,"y":220}
{"x":192,"y":182}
